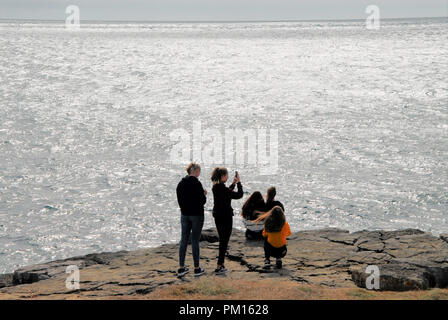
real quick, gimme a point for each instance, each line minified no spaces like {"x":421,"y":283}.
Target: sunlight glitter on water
{"x":85,"y":120}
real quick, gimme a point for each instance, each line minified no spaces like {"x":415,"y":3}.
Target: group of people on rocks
{"x":263,"y":219}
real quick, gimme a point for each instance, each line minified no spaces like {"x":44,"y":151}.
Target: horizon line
{"x":219,"y":21}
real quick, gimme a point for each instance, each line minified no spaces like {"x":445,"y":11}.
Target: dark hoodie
{"x":223,"y":196}
{"x":272,"y":204}
{"x":190,"y":196}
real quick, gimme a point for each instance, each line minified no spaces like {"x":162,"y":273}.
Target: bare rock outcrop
{"x":407,"y":260}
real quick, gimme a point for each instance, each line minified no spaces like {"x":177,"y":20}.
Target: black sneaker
{"x":199,"y":272}
{"x":267,"y":264}
{"x":278,"y":263}
{"x":221,"y":270}
{"x":182,"y":272}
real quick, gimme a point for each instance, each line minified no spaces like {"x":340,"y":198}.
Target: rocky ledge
{"x":407,"y":260}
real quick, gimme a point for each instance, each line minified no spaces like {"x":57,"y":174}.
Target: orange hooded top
{"x":278,"y":239}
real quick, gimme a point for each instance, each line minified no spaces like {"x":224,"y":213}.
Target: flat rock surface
{"x":406,"y":259}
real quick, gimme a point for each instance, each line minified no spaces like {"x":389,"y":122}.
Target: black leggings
{"x":270,"y":251}
{"x":224,"y":226}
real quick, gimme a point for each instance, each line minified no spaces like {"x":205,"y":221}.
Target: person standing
{"x":191,"y":197}
{"x":223,"y":211}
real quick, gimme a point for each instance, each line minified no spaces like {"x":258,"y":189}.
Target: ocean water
{"x":86,"y":117}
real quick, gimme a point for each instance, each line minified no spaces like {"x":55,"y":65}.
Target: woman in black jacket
{"x":223,"y":211}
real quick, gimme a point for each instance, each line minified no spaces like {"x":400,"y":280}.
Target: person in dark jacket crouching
{"x":191,"y":197}
{"x":222,"y":210}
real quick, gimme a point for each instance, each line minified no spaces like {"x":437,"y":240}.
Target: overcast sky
{"x":219,"y":10}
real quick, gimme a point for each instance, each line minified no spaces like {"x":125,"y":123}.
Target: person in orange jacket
{"x":275,"y":231}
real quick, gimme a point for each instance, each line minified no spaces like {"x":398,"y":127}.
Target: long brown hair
{"x":254,"y":202}
{"x":217,"y":173}
{"x":274,"y":219}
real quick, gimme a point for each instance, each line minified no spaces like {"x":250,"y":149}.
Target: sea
{"x":88,"y":116}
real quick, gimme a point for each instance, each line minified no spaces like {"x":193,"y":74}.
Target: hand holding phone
{"x":237,"y":177}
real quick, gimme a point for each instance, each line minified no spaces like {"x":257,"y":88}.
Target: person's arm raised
{"x":237,"y":194}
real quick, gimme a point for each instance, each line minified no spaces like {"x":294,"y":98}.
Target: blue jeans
{"x":190,"y":225}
